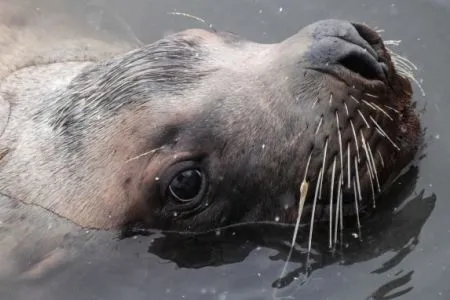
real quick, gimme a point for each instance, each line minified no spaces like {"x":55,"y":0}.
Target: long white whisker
{"x":357,"y":209}
{"x":323,"y":168}
{"x":364,"y":119}
{"x":383,"y":111}
{"x":303,"y":193}
{"x":340,"y":143}
{"x":371,"y":95}
{"x":367,"y":154}
{"x":371,"y":185}
{"x":337,"y":210}
{"x":331,"y":203}
{"x":391,"y":108}
{"x":145,"y":154}
{"x":341,"y":211}
{"x":356,"y":139}
{"x":358,"y":180}
{"x":311,"y":226}
{"x":372,"y":160}
{"x":368,"y":104}
{"x":384,"y":133}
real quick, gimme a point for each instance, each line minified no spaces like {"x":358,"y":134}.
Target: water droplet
{"x":277,"y":219}
{"x":156,"y":178}
{"x":281,"y":9}
{"x":175,"y":214}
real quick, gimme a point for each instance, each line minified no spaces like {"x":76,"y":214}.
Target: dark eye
{"x":186,"y":185}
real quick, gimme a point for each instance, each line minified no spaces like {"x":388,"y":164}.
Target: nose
{"x":353,"y":46}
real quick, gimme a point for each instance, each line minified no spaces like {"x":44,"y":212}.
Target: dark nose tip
{"x":354,"y":46}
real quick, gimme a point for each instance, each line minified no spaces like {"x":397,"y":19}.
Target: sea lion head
{"x":205,"y":129}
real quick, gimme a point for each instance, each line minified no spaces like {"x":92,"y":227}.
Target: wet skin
{"x":196,"y":131}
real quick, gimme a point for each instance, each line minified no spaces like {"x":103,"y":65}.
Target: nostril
{"x":361,"y":64}
{"x":370,"y":35}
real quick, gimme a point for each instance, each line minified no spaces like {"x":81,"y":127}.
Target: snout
{"x":341,"y":47}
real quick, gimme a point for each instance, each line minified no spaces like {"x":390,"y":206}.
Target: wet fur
{"x":80,"y":109}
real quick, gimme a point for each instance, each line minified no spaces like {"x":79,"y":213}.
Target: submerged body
{"x":196,"y":131}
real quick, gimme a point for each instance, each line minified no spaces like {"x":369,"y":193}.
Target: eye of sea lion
{"x":184,"y":183}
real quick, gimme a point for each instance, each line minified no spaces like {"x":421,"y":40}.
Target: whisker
{"x":336,"y":219}
{"x":363,"y":139}
{"x":331,"y":99}
{"x":144,"y":154}
{"x":358,"y":180}
{"x":368,"y":104}
{"x":372,"y":161}
{"x":346,"y":109}
{"x":331,"y":203}
{"x":371,"y":95}
{"x":356,"y":139}
{"x":311,"y":226}
{"x":401,"y":59}
{"x":384,"y":133}
{"x":341,"y":211}
{"x":315,"y":102}
{"x":188,"y":16}
{"x":371,"y":185}
{"x":307,"y":167}
{"x":391,"y":108}
{"x":303,"y":193}
{"x":338,"y":209}
{"x":340,"y":143}
{"x":319,"y":125}
{"x":383,"y":111}
{"x":381,"y":158}
{"x":323,"y":168}
{"x":357,"y":209}
{"x":364,"y":119}
{"x":354,"y":99}
{"x":406,"y":68}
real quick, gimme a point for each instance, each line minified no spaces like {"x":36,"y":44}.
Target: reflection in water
{"x":384,"y":292}
{"x":394,"y":226}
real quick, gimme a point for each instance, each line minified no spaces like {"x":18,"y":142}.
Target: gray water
{"x":405,"y":251}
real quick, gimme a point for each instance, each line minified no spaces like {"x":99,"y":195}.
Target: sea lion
{"x":199,"y":130}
